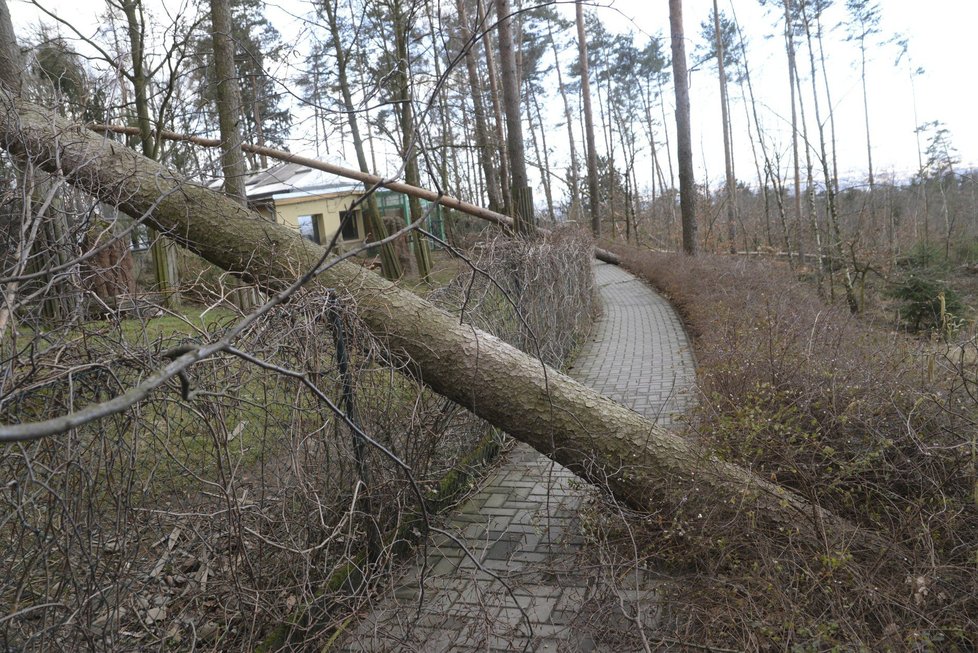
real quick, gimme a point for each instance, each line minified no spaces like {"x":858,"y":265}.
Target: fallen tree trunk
{"x":597,"y":438}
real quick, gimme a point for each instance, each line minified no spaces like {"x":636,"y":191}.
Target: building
{"x":318,"y":204}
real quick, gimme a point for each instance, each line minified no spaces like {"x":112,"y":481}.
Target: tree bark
{"x":687,"y":184}
{"x":522,"y":208}
{"x":228,"y":102}
{"x":595,"y":437}
{"x":11,"y":61}
{"x":592,"y":153}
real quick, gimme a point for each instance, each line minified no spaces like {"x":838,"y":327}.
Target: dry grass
{"x":868,"y":424}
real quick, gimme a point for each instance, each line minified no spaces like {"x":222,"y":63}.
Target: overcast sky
{"x":941,"y":35}
{"x":942,"y":42}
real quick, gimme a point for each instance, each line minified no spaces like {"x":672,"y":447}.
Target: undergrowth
{"x":209,"y":522}
{"x":871,"y":425}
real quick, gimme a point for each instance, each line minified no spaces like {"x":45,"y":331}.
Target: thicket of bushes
{"x":871,"y":425}
{"x":207,"y":524}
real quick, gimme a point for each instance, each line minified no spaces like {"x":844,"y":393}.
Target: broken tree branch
{"x":367,"y":179}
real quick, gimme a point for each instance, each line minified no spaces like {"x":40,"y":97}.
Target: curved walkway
{"x":523,"y":524}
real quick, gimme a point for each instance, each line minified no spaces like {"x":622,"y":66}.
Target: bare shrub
{"x":859,"y":421}
{"x":232,"y":504}
{"x":222,"y":514}
{"x":547,"y":280}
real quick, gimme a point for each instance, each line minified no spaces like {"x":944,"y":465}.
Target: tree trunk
{"x":449,"y":158}
{"x":389,"y":263}
{"x":229,"y":112}
{"x":830,"y":180}
{"x":228,"y":102}
{"x":789,"y":41}
{"x":543,"y":156}
{"x":522,"y":208}
{"x":164,"y":256}
{"x":821,"y":259}
{"x":768,"y":172}
{"x":11,"y":61}
{"x":409,"y":147}
{"x":869,"y":137}
{"x":493,"y":187}
{"x":572,"y":181}
{"x":727,"y":143}
{"x":497,"y":110}
{"x":592,"y":153}
{"x":13,"y":249}
{"x":597,"y":438}
{"x":687,"y":184}
{"x":606,"y":121}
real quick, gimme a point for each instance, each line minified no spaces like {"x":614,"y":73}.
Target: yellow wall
{"x":289,"y":210}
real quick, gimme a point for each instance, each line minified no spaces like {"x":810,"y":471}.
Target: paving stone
{"x":523,"y":524}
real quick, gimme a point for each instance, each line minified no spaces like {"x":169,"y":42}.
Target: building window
{"x":309,"y":227}
{"x":140,"y":240}
{"x":350,"y":229}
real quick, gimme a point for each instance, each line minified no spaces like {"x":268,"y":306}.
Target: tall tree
{"x":652,"y":67}
{"x":914,"y":71}
{"x":519,"y":181}
{"x":257,"y":45}
{"x":534,"y":46}
{"x":687,"y":184}
{"x":865,"y":23}
{"x":942,"y":157}
{"x":482,"y":137}
{"x":390,"y":264}
{"x":573,"y":182}
{"x":495,"y":94}
{"x":789,"y":44}
{"x":164,"y":252}
{"x":402,"y":14}
{"x":626,"y":105}
{"x":11,"y":60}
{"x":830,"y":186}
{"x":228,"y":101}
{"x":592,"y":152}
{"x":719,"y":33}
{"x":770,"y":175}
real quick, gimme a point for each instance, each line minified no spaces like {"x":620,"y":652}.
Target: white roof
{"x":293,"y":180}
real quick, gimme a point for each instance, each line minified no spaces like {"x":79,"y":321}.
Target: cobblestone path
{"x":532,"y":592}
